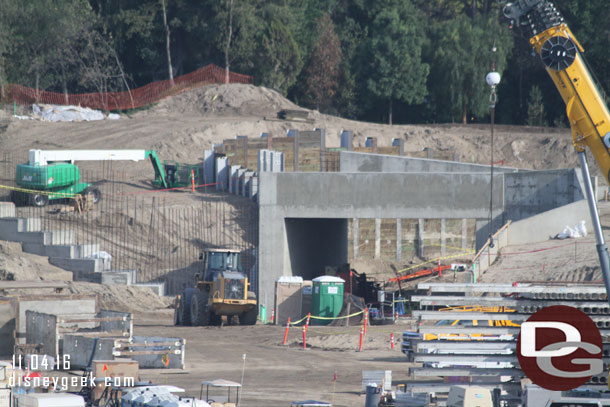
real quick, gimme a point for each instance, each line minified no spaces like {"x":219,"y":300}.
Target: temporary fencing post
{"x":286,"y":332}
{"x":392,"y":340}
{"x":366,"y":318}
{"x":193,"y":180}
{"x":304,"y":336}
{"x":361,"y":339}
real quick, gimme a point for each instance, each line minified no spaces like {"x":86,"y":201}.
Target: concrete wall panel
{"x":342,"y":195}
{"x":364,"y":162}
{"x":536,"y":228}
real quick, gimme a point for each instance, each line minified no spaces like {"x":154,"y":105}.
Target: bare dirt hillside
{"x":182,"y":127}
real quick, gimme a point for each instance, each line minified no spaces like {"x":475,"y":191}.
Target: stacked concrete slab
{"x":63,"y":251}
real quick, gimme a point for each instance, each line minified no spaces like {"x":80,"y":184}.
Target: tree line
{"x":393,"y":61}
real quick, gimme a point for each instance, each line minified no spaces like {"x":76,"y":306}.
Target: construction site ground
{"x":181,"y":128}
{"x":275,"y":375}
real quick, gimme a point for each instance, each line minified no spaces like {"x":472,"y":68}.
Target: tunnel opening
{"x":314,"y":243}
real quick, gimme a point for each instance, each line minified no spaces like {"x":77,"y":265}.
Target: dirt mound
{"x":17,"y":265}
{"x":233,"y":99}
{"x":123,"y":298}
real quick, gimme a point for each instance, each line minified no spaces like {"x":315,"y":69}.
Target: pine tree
{"x":535,"y":108}
{"x":322,"y":71}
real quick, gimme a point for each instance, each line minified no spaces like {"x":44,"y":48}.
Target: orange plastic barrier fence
{"x":139,"y":97}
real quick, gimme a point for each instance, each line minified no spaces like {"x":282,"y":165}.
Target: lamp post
{"x":492,"y":79}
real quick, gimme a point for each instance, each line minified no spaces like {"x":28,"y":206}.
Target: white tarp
{"x":56,"y":113}
{"x":571,"y":233}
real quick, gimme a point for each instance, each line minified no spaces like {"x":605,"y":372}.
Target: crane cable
{"x":492,"y":105}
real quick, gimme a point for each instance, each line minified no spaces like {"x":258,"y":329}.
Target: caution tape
{"x":343,"y":317}
{"x":37,"y":191}
{"x":326,"y":318}
{"x":299,"y":321}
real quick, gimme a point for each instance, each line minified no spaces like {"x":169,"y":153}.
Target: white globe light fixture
{"x":493,"y":79}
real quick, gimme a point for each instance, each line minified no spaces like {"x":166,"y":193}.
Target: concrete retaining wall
{"x":530,"y":193}
{"x":541,"y":227}
{"x":369,"y":195}
{"x":365,"y":162}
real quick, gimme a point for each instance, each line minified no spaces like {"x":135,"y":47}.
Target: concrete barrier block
{"x":81,"y":265}
{"x":7,"y":210}
{"x":239,"y":181}
{"x":233,"y":178}
{"x":222,"y":173}
{"x":158,"y":288}
{"x":44,"y":237}
{"x":66,"y":251}
{"x":208,"y":167}
{"x":21,"y":224}
{"x":247,"y":179}
{"x":253,"y":192}
{"x":123,"y":277}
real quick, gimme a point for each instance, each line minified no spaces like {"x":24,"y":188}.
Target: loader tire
{"x":184,"y":307}
{"x":177,"y":316}
{"x":249,"y":318}
{"x":200,"y":312}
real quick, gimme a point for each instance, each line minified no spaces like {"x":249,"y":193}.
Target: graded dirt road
{"x":275,"y":375}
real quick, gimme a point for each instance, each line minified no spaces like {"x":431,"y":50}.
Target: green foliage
{"x":462,"y":55}
{"x":394,"y":68}
{"x":279,"y":59}
{"x":424,"y":59}
{"x":535,"y":108}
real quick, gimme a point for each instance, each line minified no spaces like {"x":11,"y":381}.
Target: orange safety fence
{"x":135,"y":98}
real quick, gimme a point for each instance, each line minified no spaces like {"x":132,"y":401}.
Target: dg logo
{"x":560,"y":348}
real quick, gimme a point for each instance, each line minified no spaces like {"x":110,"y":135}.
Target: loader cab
{"x":216,"y":262}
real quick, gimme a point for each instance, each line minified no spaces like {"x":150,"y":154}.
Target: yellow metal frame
{"x":587,"y":112}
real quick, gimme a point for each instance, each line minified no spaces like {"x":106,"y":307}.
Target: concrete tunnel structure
{"x":303,"y":216}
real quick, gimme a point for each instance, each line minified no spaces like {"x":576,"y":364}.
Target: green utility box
{"x":327,"y":298}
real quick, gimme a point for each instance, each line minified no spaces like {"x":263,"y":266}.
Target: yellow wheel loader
{"x":222,"y":289}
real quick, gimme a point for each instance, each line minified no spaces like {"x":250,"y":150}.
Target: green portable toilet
{"x":326,"y":298}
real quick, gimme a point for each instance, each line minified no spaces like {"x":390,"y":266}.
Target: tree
{"x":393,"y":51}
{"x":462,"y":54}
{"x":229,"y":35}
{"x":280,"y":60}
{"x":322,"y":71}
{"x":167,"y":44}
{"x":535,"y":108}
